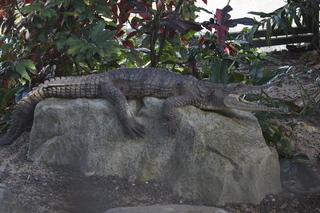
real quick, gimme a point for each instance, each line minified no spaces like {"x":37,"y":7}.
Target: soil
{"x":62,"y":189}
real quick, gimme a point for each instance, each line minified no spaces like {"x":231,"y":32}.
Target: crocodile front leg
{"x":128,"y":122}
{"x":168,"y":110}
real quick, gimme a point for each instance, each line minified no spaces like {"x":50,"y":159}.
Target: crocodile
{"x":131,"y":83}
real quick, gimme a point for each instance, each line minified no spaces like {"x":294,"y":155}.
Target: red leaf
{"x":174,"y":20}
{"x":130,"y":35}
{"x":201,"y":42}
{"x":171,"y":33}
{"x":222,"y":16}
{"x":135,"y":23}
{"x":184,"y":39}
{"x":141,"y":8}
{"x":192,"y":62}
{"x":119,"y":33}
{"x":3,"y":13}
{"x":127,"y":44}
{"x":161,"y":31}
{"x":9,"y":57}
{"x":4,"y":82}
{"x":145,"y":15}
{"x":109,"y":27}
{"x":189,"y":25}
{"x":205,"y":1}
{"x":222,"y":34}
{"x":230,"y":50}
{"x":124,"y":9}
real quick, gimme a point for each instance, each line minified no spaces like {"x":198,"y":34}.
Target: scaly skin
{"x":118,"y":85}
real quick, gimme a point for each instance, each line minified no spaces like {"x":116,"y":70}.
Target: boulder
{"x":8,"y":204}
{"x":215,"y":158}
{"x":167,"y":209}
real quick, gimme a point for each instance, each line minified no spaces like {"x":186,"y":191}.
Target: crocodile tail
{"x":22,"y":115}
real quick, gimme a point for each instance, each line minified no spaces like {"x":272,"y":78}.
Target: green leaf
{"x":254,"y":28}
{"x":30,"y":65}
{"x":33,"y":7}
{"x":54,"y":3}
{"x":294,"y":16}
{"x":6,"y":94}
{"x":256,"y":69}
{"x":268,"y":31}
{"x":68,"y":13}
{"x":314,"y":4}
{"x":22,"y":92}
{"x":146,"y":41}
{"x":300,"y":156}
{"x":97,"y":30}
{"x":313,"y":109}
{"x":79,"y":5}
{"x":61,"y":38}
{"x":189,"y":34}
{"x":85,"y":48}
{"x":43,"y":36}
{"x":133,"y":57}
{"x":269,"y":77}
{"x":261,"y":14}
{"x":219,"y":72}
{"x":21,"y":69}
{"x":272,"y":59}
{"x":306,"y":55}
{"x":87,"y":13}
{"x":283,"y":22}
{"x":205,"y":10}
{"x":305,"y":10}
{"x":47,"y":13}
{"x":88,"y":2}
{"x":184,"y":54}
{"x":75,"y":48}
{"x":103,"y":8}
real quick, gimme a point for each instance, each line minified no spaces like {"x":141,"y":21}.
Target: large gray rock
{"x":8,"y":204}
{"x":214,"y":158}
{"x":167,"y":209}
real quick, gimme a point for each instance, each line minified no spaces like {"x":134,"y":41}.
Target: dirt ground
{"x":62,"y":189}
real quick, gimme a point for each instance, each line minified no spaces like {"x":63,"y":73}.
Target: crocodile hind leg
{"x":128,"y":122}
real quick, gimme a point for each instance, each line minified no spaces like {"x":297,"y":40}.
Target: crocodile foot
{"x":171,"y":127}
{"x":134,"y":128}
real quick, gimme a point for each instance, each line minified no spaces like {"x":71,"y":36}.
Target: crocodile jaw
{"x":234,"y":101}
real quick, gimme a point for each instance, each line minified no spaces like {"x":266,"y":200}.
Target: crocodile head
{"x":233,"y":99}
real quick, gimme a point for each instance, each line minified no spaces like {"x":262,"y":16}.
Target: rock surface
{"x":214,"y":158}
{"x":167,"y":209}
{"x":8,"y":204}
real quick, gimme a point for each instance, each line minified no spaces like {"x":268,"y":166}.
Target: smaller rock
{"x":8,"y":204}
{"x":167,"y":209}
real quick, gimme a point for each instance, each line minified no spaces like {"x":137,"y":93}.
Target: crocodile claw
{"x":135,"y":129}
{"x":171,"y":127}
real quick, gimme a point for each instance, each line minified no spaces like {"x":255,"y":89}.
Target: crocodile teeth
{"x":245,"y":101}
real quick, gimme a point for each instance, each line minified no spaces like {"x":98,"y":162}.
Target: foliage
{"x":310,"y":104}
{"x":302,"y":13}
{"x":163,"y":29}
{"x":41,"y":39}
